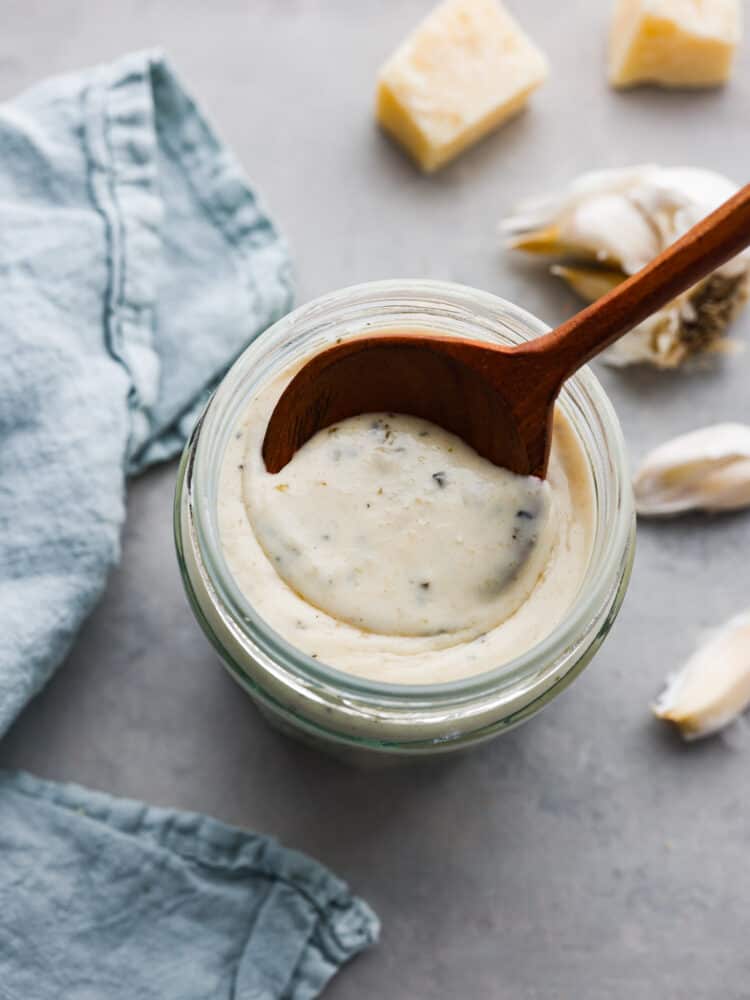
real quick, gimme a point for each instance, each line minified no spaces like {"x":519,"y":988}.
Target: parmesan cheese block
{"x":676,"y":43}
{"x":464,"y":70}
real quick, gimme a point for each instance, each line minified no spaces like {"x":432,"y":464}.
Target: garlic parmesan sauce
{"x":389,"y":549}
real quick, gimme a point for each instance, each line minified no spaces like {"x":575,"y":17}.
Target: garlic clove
{"x":656,"y":341}
{"x":713,"y":688}
{"x":707,"y":469}
{"x":620,"y":219}
{"x":544,"y":241}
{"x":603,"y":227}
{"x":694,"y":324}
{"x":590,"y":283}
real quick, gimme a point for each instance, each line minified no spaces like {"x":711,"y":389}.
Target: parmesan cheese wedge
{"x":676,"y":43}
{"x":463,"y":71}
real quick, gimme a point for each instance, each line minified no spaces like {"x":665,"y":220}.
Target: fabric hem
{"x":123,"y":133}
{"x":121,"y":143}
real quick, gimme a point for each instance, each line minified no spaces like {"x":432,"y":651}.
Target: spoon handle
{"x":708,"y":245}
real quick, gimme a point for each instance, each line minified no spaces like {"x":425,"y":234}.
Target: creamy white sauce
{"x":397,"y":526}
{"x":389,"y":549}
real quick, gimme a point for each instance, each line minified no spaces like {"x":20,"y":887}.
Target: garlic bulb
{"x":708,"y":469}
{"x":713,"y":687}
{"x":609,"y":223}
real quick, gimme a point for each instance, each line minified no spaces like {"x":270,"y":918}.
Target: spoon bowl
{"x":445,"y":380}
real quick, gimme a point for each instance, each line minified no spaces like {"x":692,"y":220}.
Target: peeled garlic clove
{"x":602,"y":226}
{"x":588,"y":282}
{"x":713,"y":687}
{"x":708,"y":469}
{"x":621,"y":219}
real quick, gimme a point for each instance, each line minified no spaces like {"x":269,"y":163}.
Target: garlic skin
{"x":713,"y":688}
{"x":707,"y":469}
{"x":610,"y":223}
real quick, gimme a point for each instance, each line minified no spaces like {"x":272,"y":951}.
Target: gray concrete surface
{"x":589,"y":854}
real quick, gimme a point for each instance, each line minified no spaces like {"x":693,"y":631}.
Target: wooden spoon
{"x":500,"y":400}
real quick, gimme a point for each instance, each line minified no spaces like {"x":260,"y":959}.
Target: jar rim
{"x":251,"y":626}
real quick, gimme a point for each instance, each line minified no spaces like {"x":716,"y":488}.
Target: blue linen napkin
{"x":135,"y":264}
{"x":107,"y":899}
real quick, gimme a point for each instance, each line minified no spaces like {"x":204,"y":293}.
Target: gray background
{"x":589,"y":854}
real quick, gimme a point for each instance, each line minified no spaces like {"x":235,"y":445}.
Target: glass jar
{"x":336,"y":710}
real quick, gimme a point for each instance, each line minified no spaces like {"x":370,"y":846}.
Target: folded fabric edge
{"x":346,"y":924}
{"x":124,"y":102}
{"x":121,"y":147}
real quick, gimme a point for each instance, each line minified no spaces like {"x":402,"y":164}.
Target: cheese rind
{"x":462,"y":72}
{"x":675,"y":43}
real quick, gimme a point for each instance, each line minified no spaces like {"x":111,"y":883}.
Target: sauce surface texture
{"x":389,"y":549}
